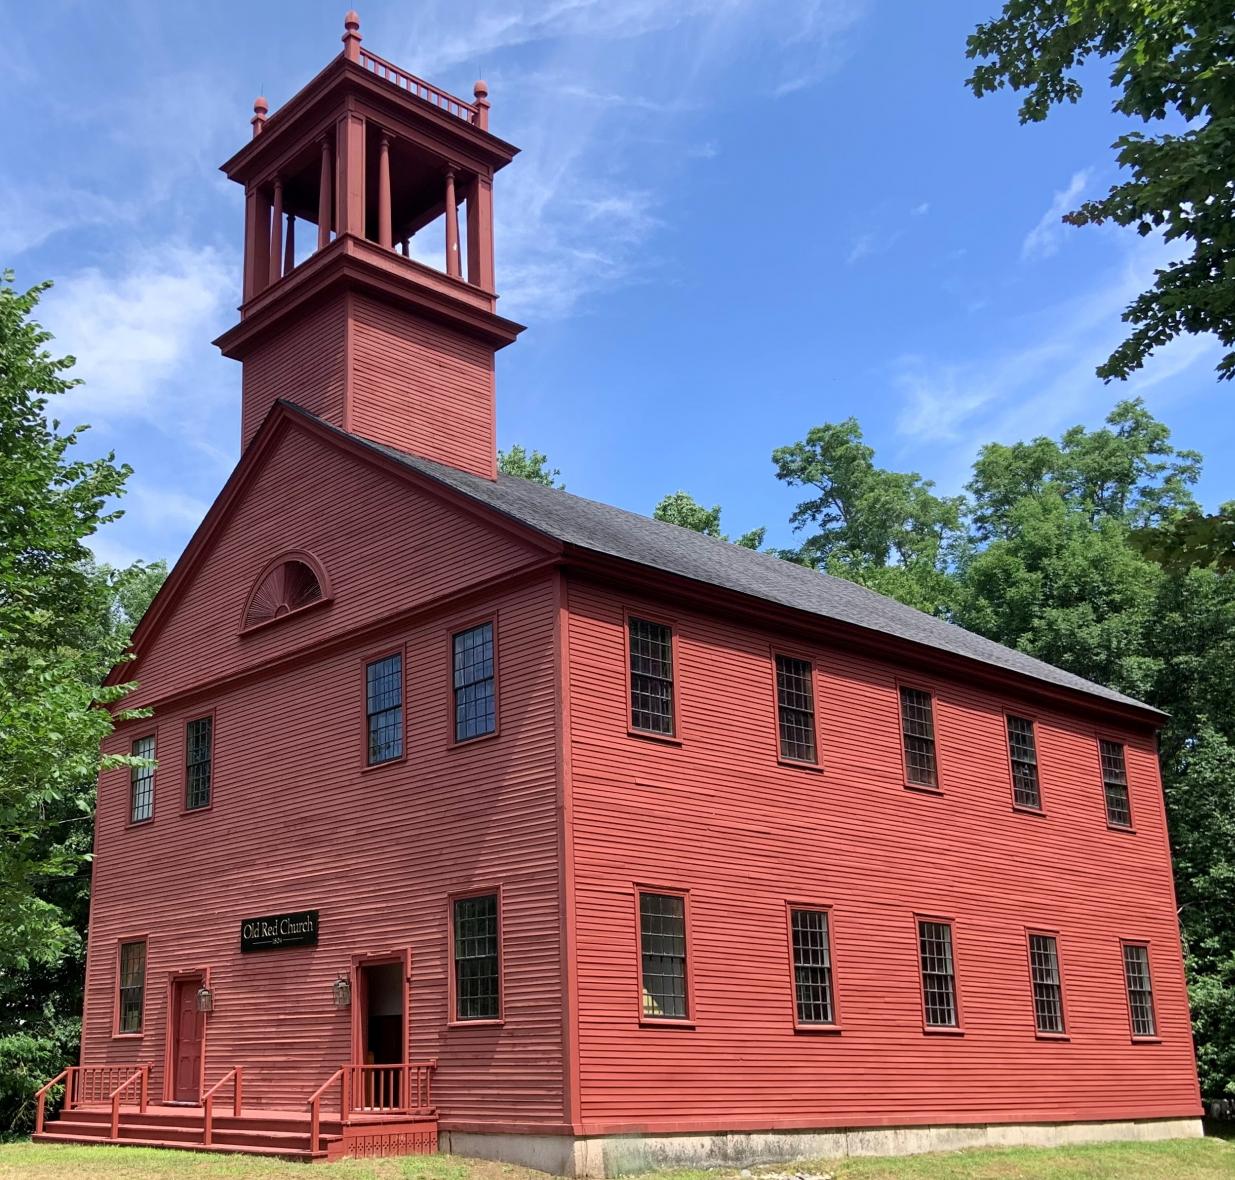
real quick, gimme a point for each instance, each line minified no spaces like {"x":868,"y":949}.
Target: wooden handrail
{"x":418,"y":86}
{"x":315,"y":1106}
{"x":236,"y":1077}
{"x":40,"y":1097}
{"x":142,"y":1074}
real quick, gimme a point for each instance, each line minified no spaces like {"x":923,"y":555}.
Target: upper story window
{"x":288,"y":586}
{"x":199,"y":744}
{"x":662,"y":956}
{"x":141,"y":782}
{"x":384,"y":709}
{"x":475,"y":693}
{"x":1047,"y":988}
{"x":651,"y":677}
{"x":1023,"y":751}
{"x":918,"y":733}
{"x":1115,"y":784}
{"x":795,"y":704}
{"x":475,"y":939}
{"x":812,"y":967}
{"x":131,"y":987}
{"x":938,"y":974}
{"x":1140,"y":990}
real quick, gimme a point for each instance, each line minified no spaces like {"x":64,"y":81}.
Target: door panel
{"x":187,"y":1049}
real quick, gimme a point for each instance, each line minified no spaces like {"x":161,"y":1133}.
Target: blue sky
{"x":731,"y":220}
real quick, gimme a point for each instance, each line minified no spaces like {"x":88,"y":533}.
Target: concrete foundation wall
{"x":619,"y":1155}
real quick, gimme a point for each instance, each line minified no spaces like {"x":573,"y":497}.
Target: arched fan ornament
{"x":289,"y":586}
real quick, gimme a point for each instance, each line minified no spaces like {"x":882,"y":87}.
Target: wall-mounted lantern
{"x":205,"y":999}
{"x":341,"y":990}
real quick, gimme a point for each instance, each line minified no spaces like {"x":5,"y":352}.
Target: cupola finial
{"x":261,"y":108}
{"x":351,"y":35}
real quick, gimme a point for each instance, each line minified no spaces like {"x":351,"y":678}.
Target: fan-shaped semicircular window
{"x":288,"y":586}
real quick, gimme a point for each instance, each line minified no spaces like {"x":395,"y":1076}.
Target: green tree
{"x":1173,"y":59}
{"x":885,"y":529}
{"x":681,"y":508}
{"x":529,"y":465}
{"x":63,"y":623}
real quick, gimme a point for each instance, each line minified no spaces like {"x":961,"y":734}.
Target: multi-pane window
{"x":662,"y":949}
{"x":918,"y":730}
{"x":384,"y":708}
{"x":1140,"y":990}
{"x":141,"y":782}
{"x":651,"y":677}
{"x":477,"y":972}
{"x":1047,"y":990}
{"x":1023,"y":751}
{"x":1115,"y":784}
{"x":812,"y":967}
{"x":132,"y":986}
{"x":199,"y":740}
{"x":795,"y":703}
{"x":938,"y":974}
{"x":475,"y":699}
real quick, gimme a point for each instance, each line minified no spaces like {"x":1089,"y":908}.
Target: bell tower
{"x":336,"y":313}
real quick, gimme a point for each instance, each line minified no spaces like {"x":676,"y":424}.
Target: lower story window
{"x":132,"y":986}
{"x":1047,"y":990}
{"x":812,"y":967}
{"x":1140,"y":990}
{"x":938,"y":974}
{"x":477,"y":958}
{"x":662,"y":956}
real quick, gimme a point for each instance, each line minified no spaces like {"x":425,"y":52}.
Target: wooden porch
{"x":360,"y":1110}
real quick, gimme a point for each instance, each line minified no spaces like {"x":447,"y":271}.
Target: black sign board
{"x":279,"y":930}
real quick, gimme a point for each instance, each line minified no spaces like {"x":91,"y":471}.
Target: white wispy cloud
{"x":133,"y":327}
{"x":1043,"y":379}
{"x":1046,"y":237}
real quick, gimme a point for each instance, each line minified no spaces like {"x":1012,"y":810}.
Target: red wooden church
{"x":492,"y":816}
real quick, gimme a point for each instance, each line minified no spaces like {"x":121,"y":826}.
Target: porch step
{"x":285,"y":1153}
{"x":97,"y":1121}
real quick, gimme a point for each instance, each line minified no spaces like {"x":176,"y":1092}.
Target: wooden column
{"x":480,"y":233}
{"x":349,"y":175}
{"x":289,"y":249}
{"x":256,"y":243}
{"x":452,"y":226}
{"x":276,"y":233}
{"x":323,"y":198}
{"x":384,"y":232}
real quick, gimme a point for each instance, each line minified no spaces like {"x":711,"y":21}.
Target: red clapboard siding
{"x":716,"y":815}
{"x":304,"y":363}
{"x":422,"y":387}
{"x":296,"y":822}
{"x":308,"y":495}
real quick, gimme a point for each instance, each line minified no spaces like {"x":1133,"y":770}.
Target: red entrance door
{"x":187,"y":1026}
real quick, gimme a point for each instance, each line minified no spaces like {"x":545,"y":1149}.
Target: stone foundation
{"x":618,"y":1155}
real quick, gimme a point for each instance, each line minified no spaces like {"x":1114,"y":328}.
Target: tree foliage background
{"x":64,"y":622}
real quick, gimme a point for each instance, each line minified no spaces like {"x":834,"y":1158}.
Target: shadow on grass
{"x":1219,"y":1128}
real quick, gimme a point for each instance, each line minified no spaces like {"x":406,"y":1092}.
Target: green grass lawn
{"x":1191,"y":1159}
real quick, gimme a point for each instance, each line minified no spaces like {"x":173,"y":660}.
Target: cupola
{"x":336,"y":313}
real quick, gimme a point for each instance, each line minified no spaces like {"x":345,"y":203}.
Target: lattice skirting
{"x":372,"y":1142}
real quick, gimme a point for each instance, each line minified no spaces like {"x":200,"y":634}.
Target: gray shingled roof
{"x":601,"y":528}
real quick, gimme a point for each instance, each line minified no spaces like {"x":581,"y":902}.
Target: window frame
{"x":1121,"y":741}
{"x":373,"y":657}
{"x":909,"y":784}
{"x":153,"y":737}
{"x":690,"y":1020}
{"x":1032,"y":932}
{"x":833,"y":1026}
{"x":305,"y":558}
{"x":675,"y":654}
{"x":1035,"y":725}
{"x":452,"y":726}
{"x":946,"y":1030}
{"x":121,"y":943}
{"x":778,"y":653}
{"x":452,"y":1015}
{"x":185,"y":809}
{"x":1155,"y":1037}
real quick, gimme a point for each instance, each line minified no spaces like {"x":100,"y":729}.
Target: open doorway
{"x":379,"y":1034}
